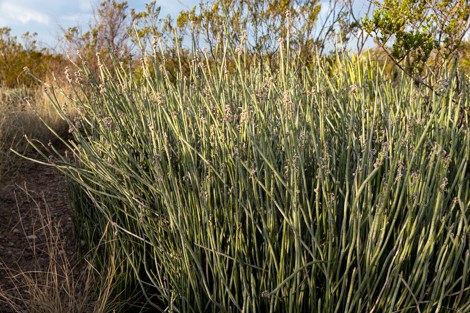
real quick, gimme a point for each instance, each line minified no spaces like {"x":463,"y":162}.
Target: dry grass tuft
{"x":62,"y":284}
{"x":23,"y":113}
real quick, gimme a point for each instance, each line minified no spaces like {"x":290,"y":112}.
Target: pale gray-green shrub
{"x":287,"y":189}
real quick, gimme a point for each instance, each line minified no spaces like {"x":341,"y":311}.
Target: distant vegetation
{"x":242,"y":158}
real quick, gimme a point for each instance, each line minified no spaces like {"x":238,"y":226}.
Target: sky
{"x":47,"y":17}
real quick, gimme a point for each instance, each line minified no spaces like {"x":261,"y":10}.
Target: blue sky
{"x":46,"y":17}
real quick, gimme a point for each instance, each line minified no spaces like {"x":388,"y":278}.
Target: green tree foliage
{"x":414,"y":32}
{"x":16,"y":57}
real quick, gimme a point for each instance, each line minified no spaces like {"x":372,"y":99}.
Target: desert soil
{"x":25,"y":199}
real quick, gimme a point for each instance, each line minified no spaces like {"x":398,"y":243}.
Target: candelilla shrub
{"x":274,"y":190}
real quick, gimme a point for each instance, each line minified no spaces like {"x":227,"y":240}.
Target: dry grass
{"x":62,"y":284}
{"x":23,"y":113}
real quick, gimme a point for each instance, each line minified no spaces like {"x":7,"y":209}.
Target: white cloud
{"x":24,"y":15}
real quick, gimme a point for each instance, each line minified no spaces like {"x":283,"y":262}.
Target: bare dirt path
{"x":26,"y":200}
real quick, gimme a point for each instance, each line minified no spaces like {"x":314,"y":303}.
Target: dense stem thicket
{"x":287,"y":190}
